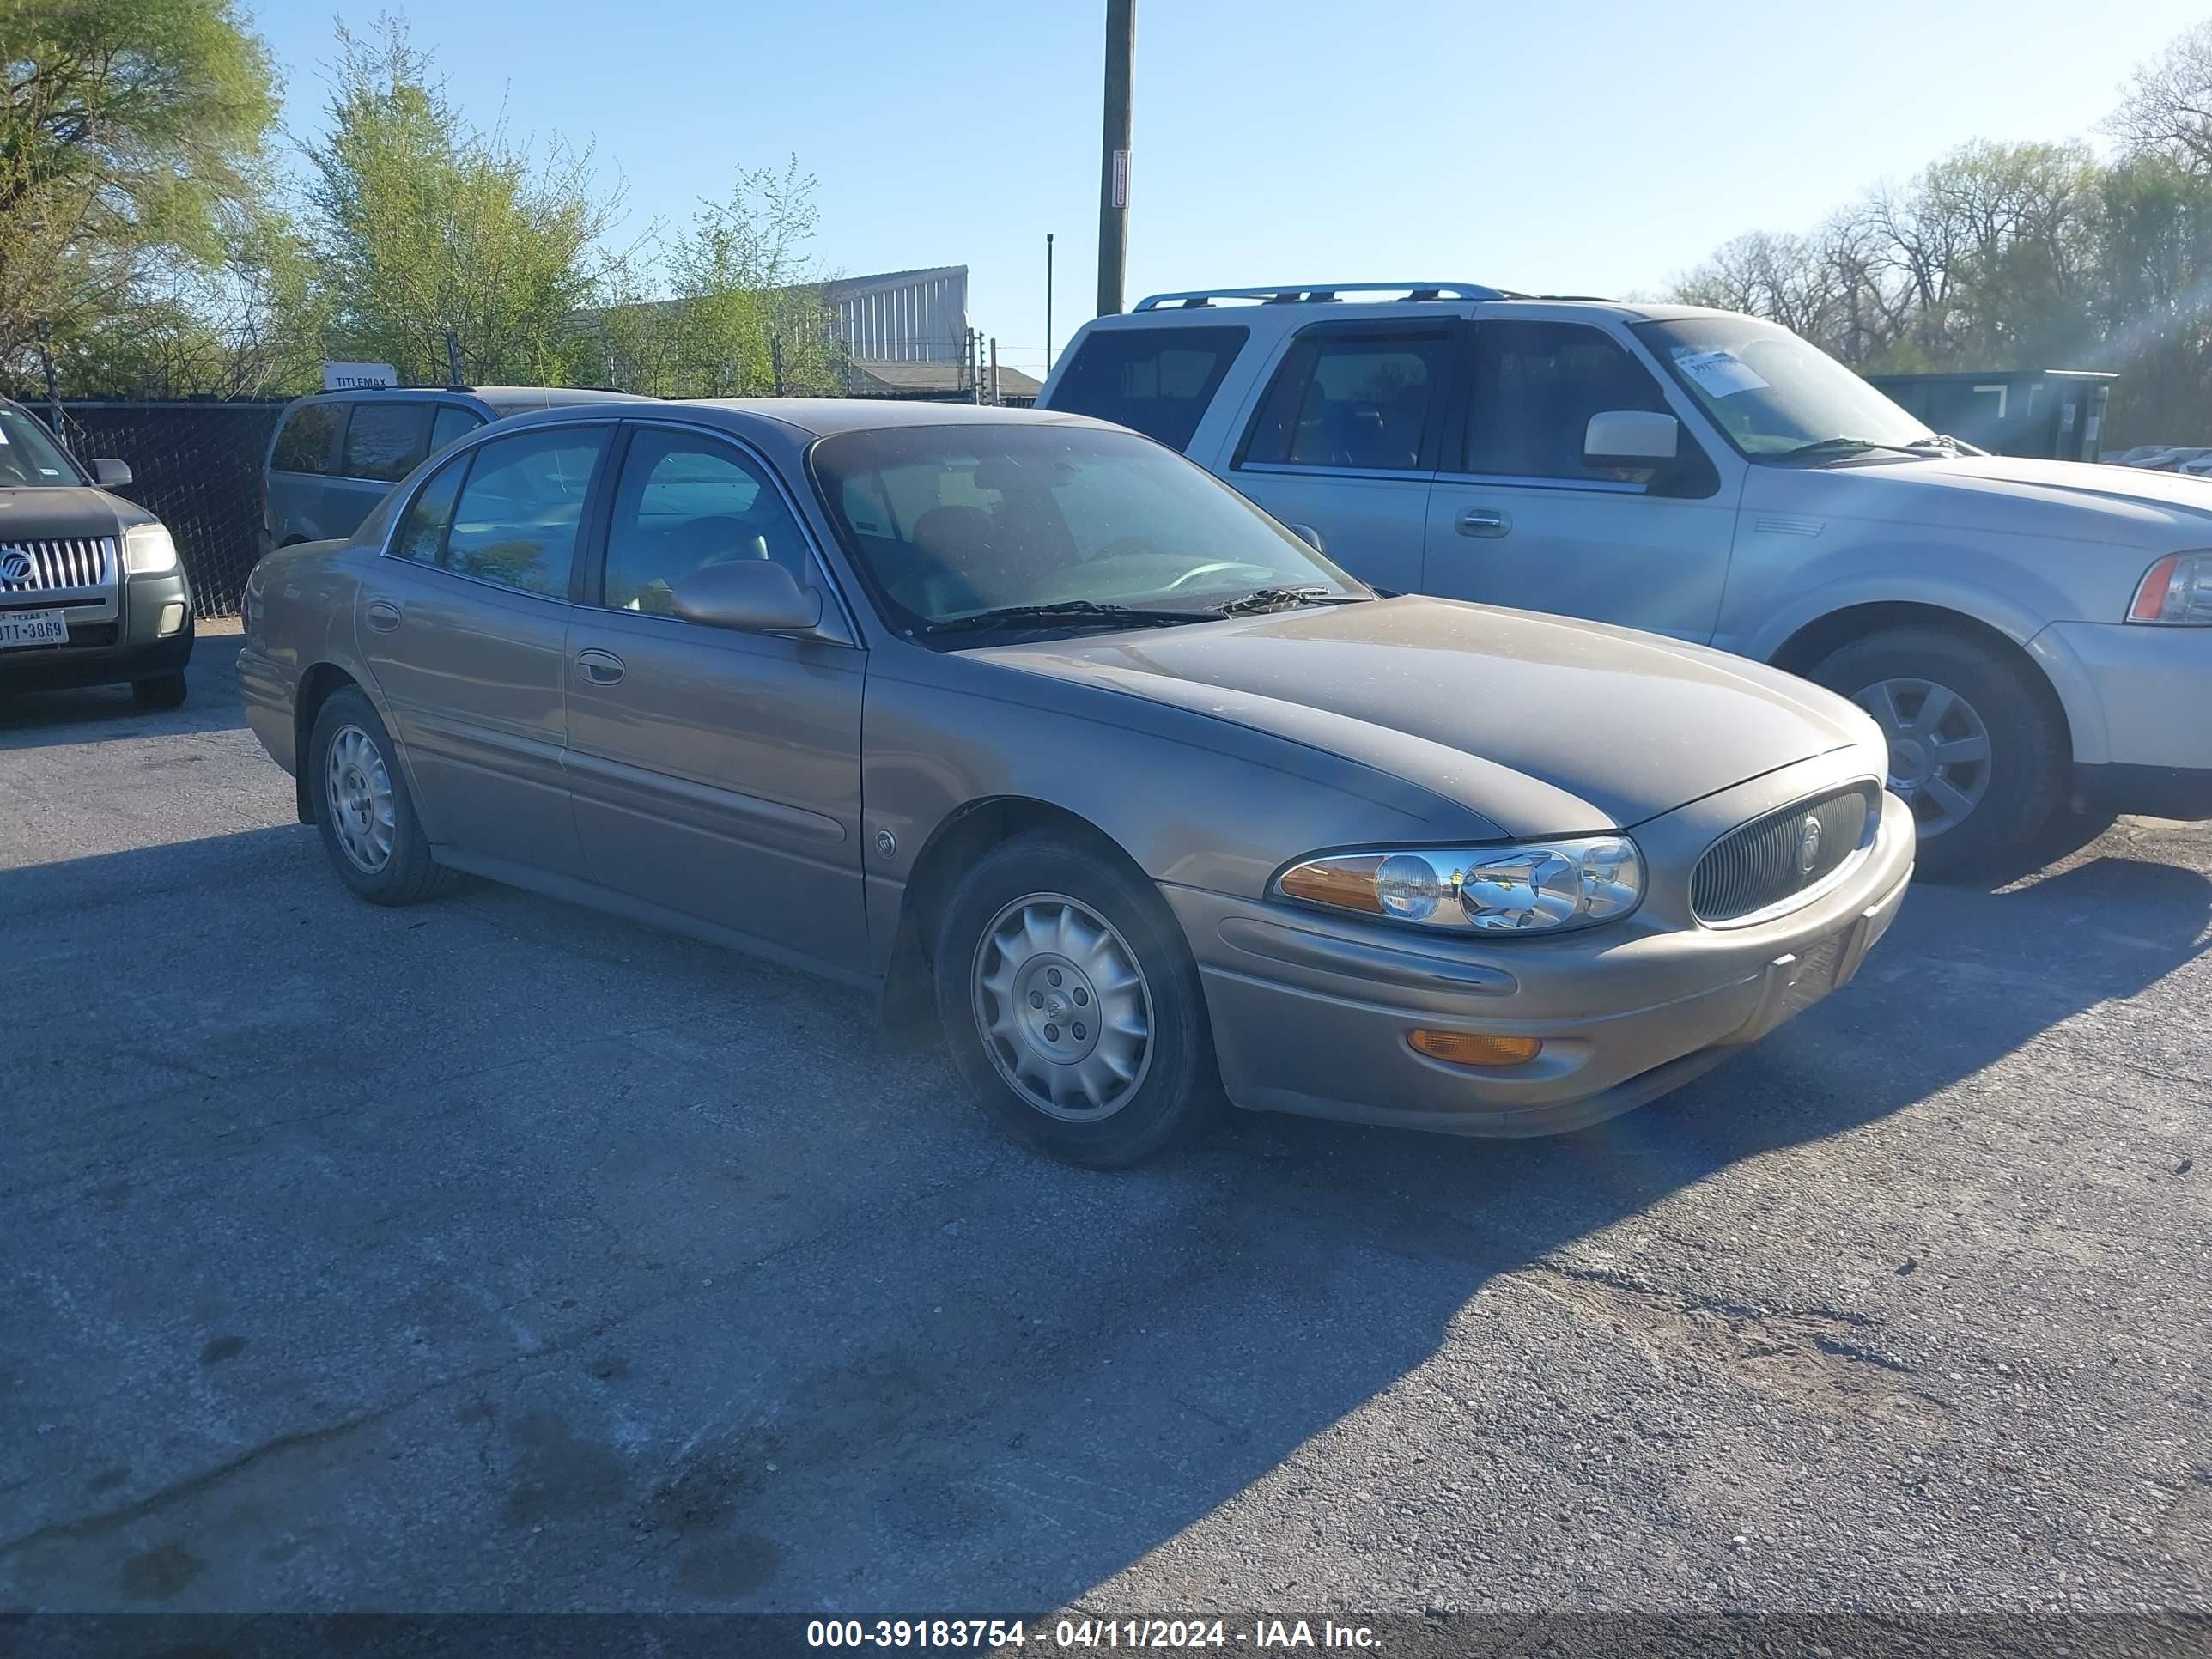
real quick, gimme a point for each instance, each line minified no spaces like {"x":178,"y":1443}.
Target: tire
{"x":162,"y":692}
{"x":1024,"y":926}
{"x":1979,"y":698}
{"x":360,"y":799}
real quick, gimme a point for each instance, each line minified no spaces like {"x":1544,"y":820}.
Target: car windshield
{"x":1775,"y":396}
{"x":28,"y":457}
{"x":951,"y":524}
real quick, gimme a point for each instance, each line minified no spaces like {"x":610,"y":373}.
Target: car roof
{"x":502,"y":399}
{"x":1298,"y":313}
{"x":819,"y":418}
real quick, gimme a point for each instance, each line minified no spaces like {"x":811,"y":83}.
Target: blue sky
{"x":1591,"y":149}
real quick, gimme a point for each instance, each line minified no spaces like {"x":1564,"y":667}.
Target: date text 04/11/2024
{"x":1159,"y":1634}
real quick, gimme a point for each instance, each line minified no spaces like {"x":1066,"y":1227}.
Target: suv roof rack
{"x":1321,"y":293}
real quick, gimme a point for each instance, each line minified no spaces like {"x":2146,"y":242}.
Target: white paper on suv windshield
{"x":1722,"y":374}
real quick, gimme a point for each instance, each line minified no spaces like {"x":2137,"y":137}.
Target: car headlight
{"x":148,"y":550}
{"x":1533,"y":887}
{"x":2177,"y":589}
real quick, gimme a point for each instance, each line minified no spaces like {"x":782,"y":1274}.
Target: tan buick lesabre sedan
{"x":1024,"y":717}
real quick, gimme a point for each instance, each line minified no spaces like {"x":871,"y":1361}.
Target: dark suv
{"x":91,"y":590}
{"x":335,"y":454}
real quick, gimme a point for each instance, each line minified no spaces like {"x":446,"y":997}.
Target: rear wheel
{"x":1974,"y":749}
{"x":362,"y":808}
{"x":162,"y":692}
{"x":1072,"y":1006}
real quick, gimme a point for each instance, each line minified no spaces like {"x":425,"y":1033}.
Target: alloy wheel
{"x":1939,"y":748}
{"x":358,"y":794}
{"x":1063,"y":1007}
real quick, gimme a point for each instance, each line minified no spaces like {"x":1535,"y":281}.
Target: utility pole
{"x":1048,"y":302}
{"x":1113,"y":160}
{"x":994,"y":368}
{"x":54,"y":388}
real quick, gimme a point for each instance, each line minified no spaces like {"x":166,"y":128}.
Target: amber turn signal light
{"x":1466,"y":1048}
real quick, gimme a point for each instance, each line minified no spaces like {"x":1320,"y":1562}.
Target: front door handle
{"x":1484,"y":521}
{"x":383,"y":616}
{"x":600,"y":667}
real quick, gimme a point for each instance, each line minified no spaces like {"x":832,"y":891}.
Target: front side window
{"x":309,"y":441}
{"x":1777,"y":398}
{"x":386,"y":441}
{"x":1359,"y":400}
{"x":1536,"y":386}
{"x":685,"y":502}
{"x":1157,"y":381}
{"x":516,"y":520}
{"x":28,"y":455}
{"x":947,"y":523}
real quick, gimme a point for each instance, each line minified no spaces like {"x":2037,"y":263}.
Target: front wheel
{"x":1974,"y":749}
{"x":1072,"y":1006}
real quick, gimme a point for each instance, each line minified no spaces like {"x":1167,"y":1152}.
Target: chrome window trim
{"x":1508,"y":481}
{"x":1393,"y":475}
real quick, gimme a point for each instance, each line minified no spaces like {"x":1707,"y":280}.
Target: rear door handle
{"x":600,"y":667}
{"x":383,"y":616}
{"x":1484,"y":521}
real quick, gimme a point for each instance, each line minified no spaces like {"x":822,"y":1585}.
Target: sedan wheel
{"x":1063,"y":1008}
{"x":1939,"y":748}
{"x":358,"y":797}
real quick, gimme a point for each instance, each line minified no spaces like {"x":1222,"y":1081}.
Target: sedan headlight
{"x":148,"y":550}
{"x":2177,"y":589}
{"x":1535,"y":887}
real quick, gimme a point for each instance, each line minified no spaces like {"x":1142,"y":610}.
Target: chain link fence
{"x":198,"y":466}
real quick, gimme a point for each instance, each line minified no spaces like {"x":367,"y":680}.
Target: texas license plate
{"x":32,"y":628}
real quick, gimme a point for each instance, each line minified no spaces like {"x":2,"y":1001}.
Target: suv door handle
{"x":1484,"y":521}
{"x":383,"y":616}
{"x":600,"y":667}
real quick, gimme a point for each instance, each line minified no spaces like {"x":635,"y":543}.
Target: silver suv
{"x":2025,"y":632}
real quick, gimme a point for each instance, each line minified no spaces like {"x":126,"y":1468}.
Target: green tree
{"x":131,"y":145}
{"x":744,"y":314}
{"x":420,"y":225}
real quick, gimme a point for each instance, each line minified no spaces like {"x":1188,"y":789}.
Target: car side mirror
{"x":109,"y":473}
{"x":1631,"y":437}
{"x":754,"y":596}
{"x":1310,"y":536}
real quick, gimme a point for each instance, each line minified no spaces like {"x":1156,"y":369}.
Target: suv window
{"x":309,"y":439}
{"x":386,"y":441}
{"x":452,"y":423}
{"x":516,"y":521}
{"x":1536,"y":386}
{"x":1361,"y":400}
{"x":686,"y":502}
{"x":1157,"y":380}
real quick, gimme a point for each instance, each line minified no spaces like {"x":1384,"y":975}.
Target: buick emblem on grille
{"x":15,"y":565}
{"x":1808,"y":845}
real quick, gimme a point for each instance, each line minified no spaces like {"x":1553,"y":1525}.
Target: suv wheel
{"x":363,"y":807}
{"x":1974,"y":749}
{"x":162,"y":692}
{"x":1072,"y":1006}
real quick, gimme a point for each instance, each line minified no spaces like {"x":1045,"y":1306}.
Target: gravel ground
{"x":494,"y":1254}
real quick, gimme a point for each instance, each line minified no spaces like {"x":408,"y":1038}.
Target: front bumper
{"x":2135,"y":693}
{"x":131,"y":646}
{"x":1311,"y":1011}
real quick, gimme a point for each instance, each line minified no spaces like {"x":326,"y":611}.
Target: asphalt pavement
{"x":494,"y":1254}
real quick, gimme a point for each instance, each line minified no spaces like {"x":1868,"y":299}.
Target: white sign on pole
{"x":1120,"y":179}
{"x":344,"y":377}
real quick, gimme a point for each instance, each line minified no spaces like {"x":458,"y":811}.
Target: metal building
{"x":903,"y":316}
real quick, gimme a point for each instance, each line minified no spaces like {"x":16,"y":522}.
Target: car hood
{"x":2008,"y":494}
{"x":1542,"y":724}
{"x":42,"y":512}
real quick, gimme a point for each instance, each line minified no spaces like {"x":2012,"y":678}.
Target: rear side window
{"x":1361,"y":400}
{"x":516,"y":521}
{"x":386,"y":441}
{"x":452,"y":423}
{"x":422,"y":534}
{"x":309,"y":441}
{"x":1157,"y":380}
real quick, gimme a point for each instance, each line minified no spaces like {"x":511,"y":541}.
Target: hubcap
{"x":357,"y":792}
{"x":1063,"y":1007}
{"x":1939,"y":748}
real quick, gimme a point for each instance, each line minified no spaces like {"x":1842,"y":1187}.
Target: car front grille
{"x":1759,"y":864}
{"x":71,"y":565}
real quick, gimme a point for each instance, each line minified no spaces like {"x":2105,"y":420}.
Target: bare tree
{"x":2168,"y":107}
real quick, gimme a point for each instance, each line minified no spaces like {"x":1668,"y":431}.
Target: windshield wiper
{"x":1944,"y":444}
{"x":1844,"y":446}
{"x":1083,"y":613}
{"x":1285,"y":598}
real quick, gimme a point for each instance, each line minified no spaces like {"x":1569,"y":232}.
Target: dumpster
{"x":2057,"y":414}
